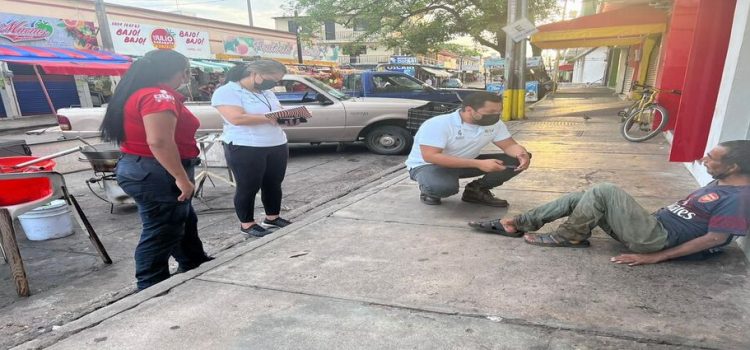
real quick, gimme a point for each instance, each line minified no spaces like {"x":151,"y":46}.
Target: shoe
{"x":255,"y":230}
{"x":278,"y":222}
{"x":475,"y":194}
{"x":429,"y":200}
{"x":181,"y":269}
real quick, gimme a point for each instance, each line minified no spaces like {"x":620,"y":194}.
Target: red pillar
{"x":703,"y":74}
{"x":677,"y":44}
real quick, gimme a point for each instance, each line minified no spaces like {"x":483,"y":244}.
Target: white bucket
{"x":47,"y":222}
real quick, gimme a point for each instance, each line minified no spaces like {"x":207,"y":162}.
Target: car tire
{"x":388,"y":140}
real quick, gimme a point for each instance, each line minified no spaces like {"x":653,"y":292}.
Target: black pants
{"x":254,"y":169}
{"x":169,"y":227}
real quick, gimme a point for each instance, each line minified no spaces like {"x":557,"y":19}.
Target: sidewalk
{"x":379,"y":270}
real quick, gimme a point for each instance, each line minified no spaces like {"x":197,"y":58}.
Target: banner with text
{"x":253,"y":46}
{"x":137,"y":39}
{"x":47,"y":32}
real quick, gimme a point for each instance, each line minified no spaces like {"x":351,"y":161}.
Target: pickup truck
{"x":398,"y":85}
{"x":336,"y":117}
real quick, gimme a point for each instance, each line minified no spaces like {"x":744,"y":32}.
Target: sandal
{"x":549,"y":240}
{"x":494,"y":226}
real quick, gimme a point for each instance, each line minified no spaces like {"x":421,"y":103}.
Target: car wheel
{"x":388,"y":140}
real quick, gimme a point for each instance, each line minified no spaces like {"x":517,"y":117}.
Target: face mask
{"x":266,"y":84}
{"x":486,"y":119}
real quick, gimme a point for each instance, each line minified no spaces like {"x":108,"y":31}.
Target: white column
{"x":8,"y":92}
{"x":731,"y":120}
{"x":84,"y":94}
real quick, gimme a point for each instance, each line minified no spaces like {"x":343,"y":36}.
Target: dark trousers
{"x":442,"y":182}
{"x":170,"y":228}
{"x":257,"y":169}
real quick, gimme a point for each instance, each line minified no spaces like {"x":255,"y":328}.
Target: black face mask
{"x":486,"y":119}
{"x":266,"y":84}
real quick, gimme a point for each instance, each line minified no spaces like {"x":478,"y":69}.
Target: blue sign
{"x":403,"y":60}
{"x":412,"y":71}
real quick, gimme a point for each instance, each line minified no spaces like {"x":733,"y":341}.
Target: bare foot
{"x":508,"y":225}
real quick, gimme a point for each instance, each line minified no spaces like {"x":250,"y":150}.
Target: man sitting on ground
{"x":695,"y":226}
{"x":448,"y":147}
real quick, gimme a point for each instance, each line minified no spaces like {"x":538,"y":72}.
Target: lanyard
{"x":266,"y":102}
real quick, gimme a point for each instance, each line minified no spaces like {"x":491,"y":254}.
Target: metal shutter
{"x":62,"y":90}
{"x":629,"y":72}
{"x":653,"y":65}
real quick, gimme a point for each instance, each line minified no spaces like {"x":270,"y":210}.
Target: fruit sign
{"x":47,"y":32}
{"x":137,"y":39}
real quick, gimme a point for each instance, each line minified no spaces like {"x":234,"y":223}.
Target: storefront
{"x":45,"y":61}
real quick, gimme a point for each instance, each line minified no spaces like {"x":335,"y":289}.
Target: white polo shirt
{"x":262,"y":135}
{"x":454,"y":137}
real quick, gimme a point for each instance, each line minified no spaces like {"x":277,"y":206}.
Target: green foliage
{"x":420,"y":26}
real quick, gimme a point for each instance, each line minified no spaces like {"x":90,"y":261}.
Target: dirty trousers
{"x":604,"y":205}
{"x":441,"y":182}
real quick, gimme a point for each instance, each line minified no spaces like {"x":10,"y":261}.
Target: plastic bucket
{"x":47,"y":222}
{"x":26,"y":190}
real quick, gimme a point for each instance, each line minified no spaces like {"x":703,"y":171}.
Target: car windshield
{"x":397,"y":83}
{"x":326,"y":88}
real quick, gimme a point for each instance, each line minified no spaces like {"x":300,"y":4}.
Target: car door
{"x":328,"y":120}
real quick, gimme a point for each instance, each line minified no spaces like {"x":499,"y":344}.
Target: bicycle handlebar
{"x":648,"y":87}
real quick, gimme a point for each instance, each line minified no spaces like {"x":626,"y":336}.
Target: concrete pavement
{"x":377,"y":269}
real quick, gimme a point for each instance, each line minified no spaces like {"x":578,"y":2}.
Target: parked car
{"x":398,"y":85}
{"x":453,"y":83}
{"x":337,"y":117}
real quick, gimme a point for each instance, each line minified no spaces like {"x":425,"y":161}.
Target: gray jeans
{"x":442,"y":182}
{"x":604,"y":205}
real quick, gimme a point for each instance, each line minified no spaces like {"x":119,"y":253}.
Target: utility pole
{"x":249,"y":13}
{"x":514,"y":97}
{"x":299,"y":40}
{"x":101,"y":17}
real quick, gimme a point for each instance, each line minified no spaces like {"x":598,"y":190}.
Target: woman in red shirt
{"x":156,"y":134}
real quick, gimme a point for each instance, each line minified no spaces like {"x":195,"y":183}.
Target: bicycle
{"x":645,"y":118}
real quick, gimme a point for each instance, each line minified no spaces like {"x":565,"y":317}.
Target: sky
{"x":234,"y":11}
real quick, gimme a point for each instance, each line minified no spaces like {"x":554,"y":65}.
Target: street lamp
{"x":249,"y":13}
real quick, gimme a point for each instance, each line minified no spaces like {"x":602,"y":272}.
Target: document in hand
{"x":300,"y":113}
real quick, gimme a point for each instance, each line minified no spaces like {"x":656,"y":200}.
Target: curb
{"x":368,"y":186}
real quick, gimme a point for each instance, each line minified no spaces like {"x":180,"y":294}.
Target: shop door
{"x":61,"y":88}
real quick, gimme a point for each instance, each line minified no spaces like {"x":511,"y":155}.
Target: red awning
{"x":566,"y":67}
{"x":625,"y":26}
{"x":77,"y":68}
{"x":67,"y":61}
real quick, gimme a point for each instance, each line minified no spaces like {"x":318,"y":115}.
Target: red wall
{"x":696,"y":50}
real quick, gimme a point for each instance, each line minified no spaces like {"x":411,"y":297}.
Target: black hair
{"x":738,"y":152}
{"x":154,"y":68}
{"x":478,"y":99}
{"x":261,"y":66}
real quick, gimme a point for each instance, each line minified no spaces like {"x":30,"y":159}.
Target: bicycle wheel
{"x":644,"y":124}
{"x":623,"y":114}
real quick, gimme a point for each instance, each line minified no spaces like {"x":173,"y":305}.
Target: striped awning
{"x":67,"y":61}
{"x":622,"y":27}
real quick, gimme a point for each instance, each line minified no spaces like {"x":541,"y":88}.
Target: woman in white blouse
{"x":255,"y":146}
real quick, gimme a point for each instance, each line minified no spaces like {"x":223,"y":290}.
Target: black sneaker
{"x":255,"y":230}
{"x":429,"y":200}
{"x":182,"y":269}
{"x":278,"y":222}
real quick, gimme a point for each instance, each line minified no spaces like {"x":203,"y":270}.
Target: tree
{"x":421,"y":26}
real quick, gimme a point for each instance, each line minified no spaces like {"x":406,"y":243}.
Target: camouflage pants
{"x":604,"y":205}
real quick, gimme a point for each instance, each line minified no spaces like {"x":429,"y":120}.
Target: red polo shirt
{"x":153,"y":100}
